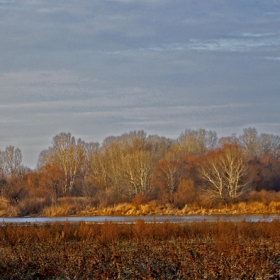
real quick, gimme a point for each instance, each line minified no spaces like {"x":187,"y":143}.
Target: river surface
{"x":132,"y":219}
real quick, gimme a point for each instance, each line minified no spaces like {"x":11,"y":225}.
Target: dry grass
{"x":266,"y":203}
{"x":55,"y":211}
{"x":128,"y":209}
{"x":217,"y":250}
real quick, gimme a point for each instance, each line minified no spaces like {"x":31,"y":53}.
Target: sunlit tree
{"x":224,"y":171}
{"x":137,"y":171}
{"x":66,"y":154}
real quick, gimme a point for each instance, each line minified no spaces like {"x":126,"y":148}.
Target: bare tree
{"x":250,"y":140}
{"x":67,"y":155}
{"x":168,"y":175}
{"x":158,"y":145}
{"x":260,"y":145}
{"x":12,"y":158}
{"x":124,"y":165}
{"x":91,"y":150}
{"x":224,"y":171}
{"x":196,"y":142}
{"x":102,"y":167}
{"x":269,"y":144}
{"x":137,"y":171}
{"x":13,"y":174}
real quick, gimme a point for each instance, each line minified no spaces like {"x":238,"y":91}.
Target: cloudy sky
{"x":97,"y":68}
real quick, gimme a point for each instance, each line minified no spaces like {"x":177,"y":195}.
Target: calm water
{"x":131,"y":219}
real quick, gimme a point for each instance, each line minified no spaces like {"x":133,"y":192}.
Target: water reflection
{"x":131,"y":219}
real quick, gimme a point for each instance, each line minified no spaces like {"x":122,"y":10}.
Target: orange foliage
{"x":35,"y":189}
{"x":53,"y":178}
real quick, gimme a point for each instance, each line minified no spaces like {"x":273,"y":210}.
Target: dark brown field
{"x":220,"y":250}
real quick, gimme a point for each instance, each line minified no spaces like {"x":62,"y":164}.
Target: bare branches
{"x":224,"y":171}
{"x":67,"y":155}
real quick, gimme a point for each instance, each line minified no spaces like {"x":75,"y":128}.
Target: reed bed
{"x":198,"y":250}
{"x":129,"y":209}
{"x":263,"y":202}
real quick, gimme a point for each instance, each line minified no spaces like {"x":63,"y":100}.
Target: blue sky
{"x":104,"y":67}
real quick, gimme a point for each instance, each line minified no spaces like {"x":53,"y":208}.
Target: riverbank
{"x":128,"y":209}
{"x":79,"y":206}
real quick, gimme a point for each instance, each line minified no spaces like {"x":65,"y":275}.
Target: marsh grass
{"x":262,"y":202}
{"x":128,"y":209}
{"x":199,"y":250}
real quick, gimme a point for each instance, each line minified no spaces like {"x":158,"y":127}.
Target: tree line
{"x":197,"y":166}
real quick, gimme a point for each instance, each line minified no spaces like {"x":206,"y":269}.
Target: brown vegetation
{"x":218,"y":250}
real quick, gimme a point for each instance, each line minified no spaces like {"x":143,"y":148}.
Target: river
{"x":131,"y":219}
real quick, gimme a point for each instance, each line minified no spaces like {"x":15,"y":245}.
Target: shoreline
{"x":130,"y":210}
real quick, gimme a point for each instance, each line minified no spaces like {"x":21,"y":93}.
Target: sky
{"x":97,"y":68}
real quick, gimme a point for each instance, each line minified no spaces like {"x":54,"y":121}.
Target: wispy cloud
{"x":244,"y":43}
{"x":247,"y":42}
{"x":277,"y":58}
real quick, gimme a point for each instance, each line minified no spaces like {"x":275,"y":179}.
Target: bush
{"x":32,"y":206}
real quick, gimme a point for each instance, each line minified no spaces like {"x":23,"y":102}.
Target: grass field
{"x":200,"y":250}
